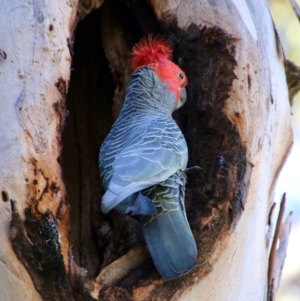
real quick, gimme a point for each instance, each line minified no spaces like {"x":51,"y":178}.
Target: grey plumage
{"x":141,"y":163}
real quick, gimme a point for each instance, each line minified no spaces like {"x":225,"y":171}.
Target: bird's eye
{"x":181,"y":76}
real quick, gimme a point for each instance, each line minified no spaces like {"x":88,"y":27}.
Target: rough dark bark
{"x":36,"y":242}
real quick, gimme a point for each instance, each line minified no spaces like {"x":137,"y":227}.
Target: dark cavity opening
{"x":89,"y":103}
{"x":92,"y":106}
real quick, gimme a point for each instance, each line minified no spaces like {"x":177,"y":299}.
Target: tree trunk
{"x":35,"y":72}
{"x":236,"y":122}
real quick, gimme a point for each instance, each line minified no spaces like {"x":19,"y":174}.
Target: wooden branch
{"x":121,"y":267}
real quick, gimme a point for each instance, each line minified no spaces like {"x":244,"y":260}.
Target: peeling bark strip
{"x":278,"y":250}
{"x":275,"y":241}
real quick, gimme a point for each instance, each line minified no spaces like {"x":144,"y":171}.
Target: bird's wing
{"x":151,"y":155}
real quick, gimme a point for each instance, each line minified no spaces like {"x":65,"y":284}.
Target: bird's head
{"x":156,"y":53}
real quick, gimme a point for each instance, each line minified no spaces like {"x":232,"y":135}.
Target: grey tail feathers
{"x":171,"y":244}
{"x":136,"y":204}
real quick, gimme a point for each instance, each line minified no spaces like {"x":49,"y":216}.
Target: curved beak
{"x":183,"y":95}
{"x":182,"y":99}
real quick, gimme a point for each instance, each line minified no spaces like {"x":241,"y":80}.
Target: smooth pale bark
{"x":264,"y":123}
{"x":35,"y":70}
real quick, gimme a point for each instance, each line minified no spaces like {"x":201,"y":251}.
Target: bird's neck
{"x":146,"y":93}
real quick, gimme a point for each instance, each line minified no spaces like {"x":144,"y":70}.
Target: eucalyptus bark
{"x":237,"y":123}
{"x":35,"y":72}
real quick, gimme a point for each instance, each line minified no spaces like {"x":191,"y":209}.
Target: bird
{"x":143,"y":158}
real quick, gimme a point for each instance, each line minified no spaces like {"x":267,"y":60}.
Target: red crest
{"x":150,"y":50}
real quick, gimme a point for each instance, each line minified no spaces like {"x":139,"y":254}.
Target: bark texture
{"x":33,"y":84}
{"x":236,"y":122}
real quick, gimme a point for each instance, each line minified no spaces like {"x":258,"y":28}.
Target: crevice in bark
{"x":89,"y":102}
